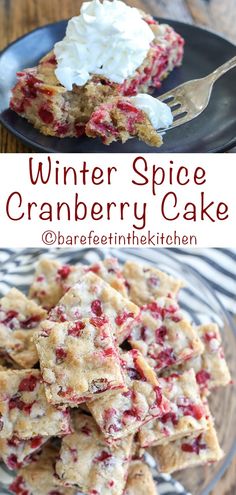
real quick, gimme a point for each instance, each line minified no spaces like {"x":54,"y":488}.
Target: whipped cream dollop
{"x":158,"y":112}
{"x":109,"y":38}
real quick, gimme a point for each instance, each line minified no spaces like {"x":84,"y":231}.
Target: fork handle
{"x":230,"y":64}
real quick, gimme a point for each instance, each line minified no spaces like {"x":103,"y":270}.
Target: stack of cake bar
{"x":98,"y":366}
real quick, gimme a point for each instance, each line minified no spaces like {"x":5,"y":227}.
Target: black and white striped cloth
{"x":210,"y":295}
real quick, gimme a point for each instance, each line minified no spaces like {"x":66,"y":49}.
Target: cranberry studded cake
{"x":141,"y":402}
{"x":163,"y":335}
{"x":91,"y":297}
{"x":186,"y":415}
{"x":78,"y":361}
{"x":39,"y":477}
{"x":24,"y":410}
{"x":121,"y":371}
{"x":19,"y":320}
{"x":88,"y":462}
{"x":95,"y":81}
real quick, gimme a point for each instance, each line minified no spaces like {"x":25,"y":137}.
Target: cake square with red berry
{"x":78,"y":360}
{"x":91,"y":297}
{"x":24,"y":410}
{"x":88,"y":462}
{"x":163,"y":335}
{"x":187,"y":413}
{"x":124,"y":413}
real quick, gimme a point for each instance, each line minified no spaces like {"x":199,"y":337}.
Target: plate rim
{"x":41,"y":148}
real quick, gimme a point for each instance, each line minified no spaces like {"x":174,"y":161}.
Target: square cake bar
{"x":52,"y":280}
{"x":187,"y":414}
{"x":210,"y":367}
{"x":18,"y":312}
{"x":93,"y":298}
{"x":39,"y":477}
{"x":24,"y":410}
{"x":163,"y":335}
{"x":110,"y":271}
{"x":124,"y":413}
{"x":189,"y":452}
{"x":18,"y":348}
{"x":146,"y":283}
{"x":89,"y":463}
{"x":140,"y":480}
{"x":17,"y":453}
{"x":78,"y":360}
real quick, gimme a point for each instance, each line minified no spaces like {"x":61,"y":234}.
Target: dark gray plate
{"x":214,"y":130}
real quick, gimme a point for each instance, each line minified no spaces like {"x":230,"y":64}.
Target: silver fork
{"x":190,"y":99}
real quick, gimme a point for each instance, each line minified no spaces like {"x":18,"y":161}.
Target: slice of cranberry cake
{"x":119,"y":120}
{"x":39,"y":97}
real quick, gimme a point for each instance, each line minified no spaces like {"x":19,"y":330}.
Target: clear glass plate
{"x":199,"y":301}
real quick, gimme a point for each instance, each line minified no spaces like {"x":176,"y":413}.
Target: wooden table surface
{"x":18,"y":17}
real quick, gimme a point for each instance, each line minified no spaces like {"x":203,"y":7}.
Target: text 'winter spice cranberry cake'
{"x":98,"y":365}
{"x":95,"y":81}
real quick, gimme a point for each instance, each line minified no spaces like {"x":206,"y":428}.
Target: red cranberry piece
{"x":159,"y":396}
{"x":12,"y":461}
{"x":121,"y":319}
{"x":18,"y":106}
{"x":29,"y":92}
{"x":104,"y":457}
{"x":209,"y":336}
{"x":176,"y":319}
{"x":166,"y":358}
{"x":45,"y":114}
{"x":195,"y":410}
{"x":111,"y":424}
{"x":96,"y":307}
{"x":98,"y":322}
{"x":18,"y":486}
{"x":62,"y":129}
{"x":195,"y":446}
{"x":170,"y":416}
{"x":64,"y":271}
{"x":202,"y":377}
{"x":143,"y":332}
{"x":161,"y":334}
{"x":52,"y":60}
{"x":10,"y":315}
{"x":40,"y":278}
{"x":79,"y":129}
{"x":60,"y":354}
{"x":77,"y":328}
{"x":133,"y":412}
{"x":153,"y":281}
{"x":133,"y":374}
{"x":109,"y":352}
{"x":15,"y":402}
{"x":31,"y":322}
{"x":94,"y":268}
{"x":125,"y":106}
{"x":36,"y":442}
{"x":28,"y":384}
{"x":127,"y":285}
{"x":74,"y":454}
{"x":86,"y":430}
{"x":13,"y":441}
